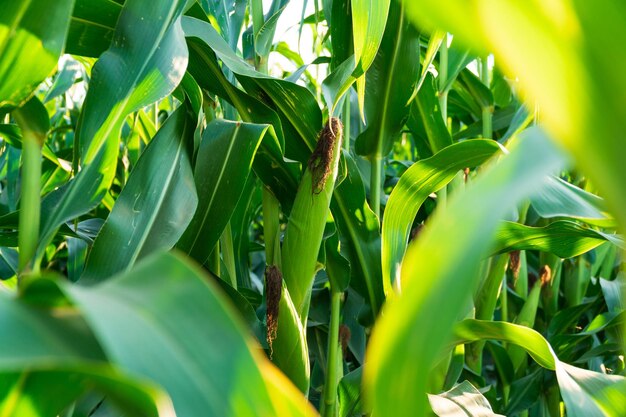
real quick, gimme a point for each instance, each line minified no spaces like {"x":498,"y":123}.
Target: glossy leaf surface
{"x":398,"y":388}
{"x":154,"y":207}
{"x":416,"y":184}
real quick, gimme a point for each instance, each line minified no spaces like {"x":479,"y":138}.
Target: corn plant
{"x":425,"y":218}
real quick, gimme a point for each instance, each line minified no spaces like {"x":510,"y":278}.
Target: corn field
{"x":334,"y":208}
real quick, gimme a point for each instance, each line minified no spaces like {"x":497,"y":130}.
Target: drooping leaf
{"x":565,"y":239}
{"x":558,"y":198}
{"x":416,"y":184}
{"x":435,"y":290}
{"x":50,"y":357}
{"x":207,"y":369}
{"x":280,"y":176}
{"x":434,"y":42}
{"x":584,"y":392}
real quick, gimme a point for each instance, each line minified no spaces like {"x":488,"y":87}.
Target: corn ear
{"x":305,"y":228}
{"x":285,"y":333}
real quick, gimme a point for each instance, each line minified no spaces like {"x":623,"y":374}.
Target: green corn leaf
{"x":48,"y":390}
{"x":585,"y":393}
{"x":154,"y":207}
{"x":390,"y":79}
{"x":427,"y":106}
{"x":50,"y":357}
{"x":8,"y":261}
{"x":434,"y":289}
{"x":337,"y":267}
{"x":579,"y":95}
{"x":369,"y":18}
{"x":64,"y":80}
{"x":300,"y":116}
{"x":338,"y":14}
{"x":212,"y":370}
{"x":281,"y":177}
{"x":558,"y":198}
{"x":463,"y":400}
{"x":360,"y":235}
{"x":230,"y":17}
{"x":434,"y":42}
{"x":264,"y":38}
{"x":153,"y":57}
{"x":92,"y":27}
{"x":416,"y":184}
{"x":563,"y":238}
{"x":35,"y":337}
{"x":223,"y":164}
{"x":32,"y":36}
{"x":458,"y":58}
{"x":475,"y":88}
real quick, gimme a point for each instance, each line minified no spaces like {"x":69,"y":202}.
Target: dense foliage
{"x":423,"y":220}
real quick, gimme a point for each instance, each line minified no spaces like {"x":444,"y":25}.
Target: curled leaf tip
{"x":321,"y":160}
{"x":273,"y":292}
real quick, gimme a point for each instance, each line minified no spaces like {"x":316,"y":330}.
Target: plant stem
{"x":504,"y":303}
{"x":258,"y":20}
{"x":346,"y":123}
{"x":271,"y":228}
{"x":29,"y":218}
{"x":376,"y":167}
{"x":329,"y":406}
{"x":487,"y":111}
